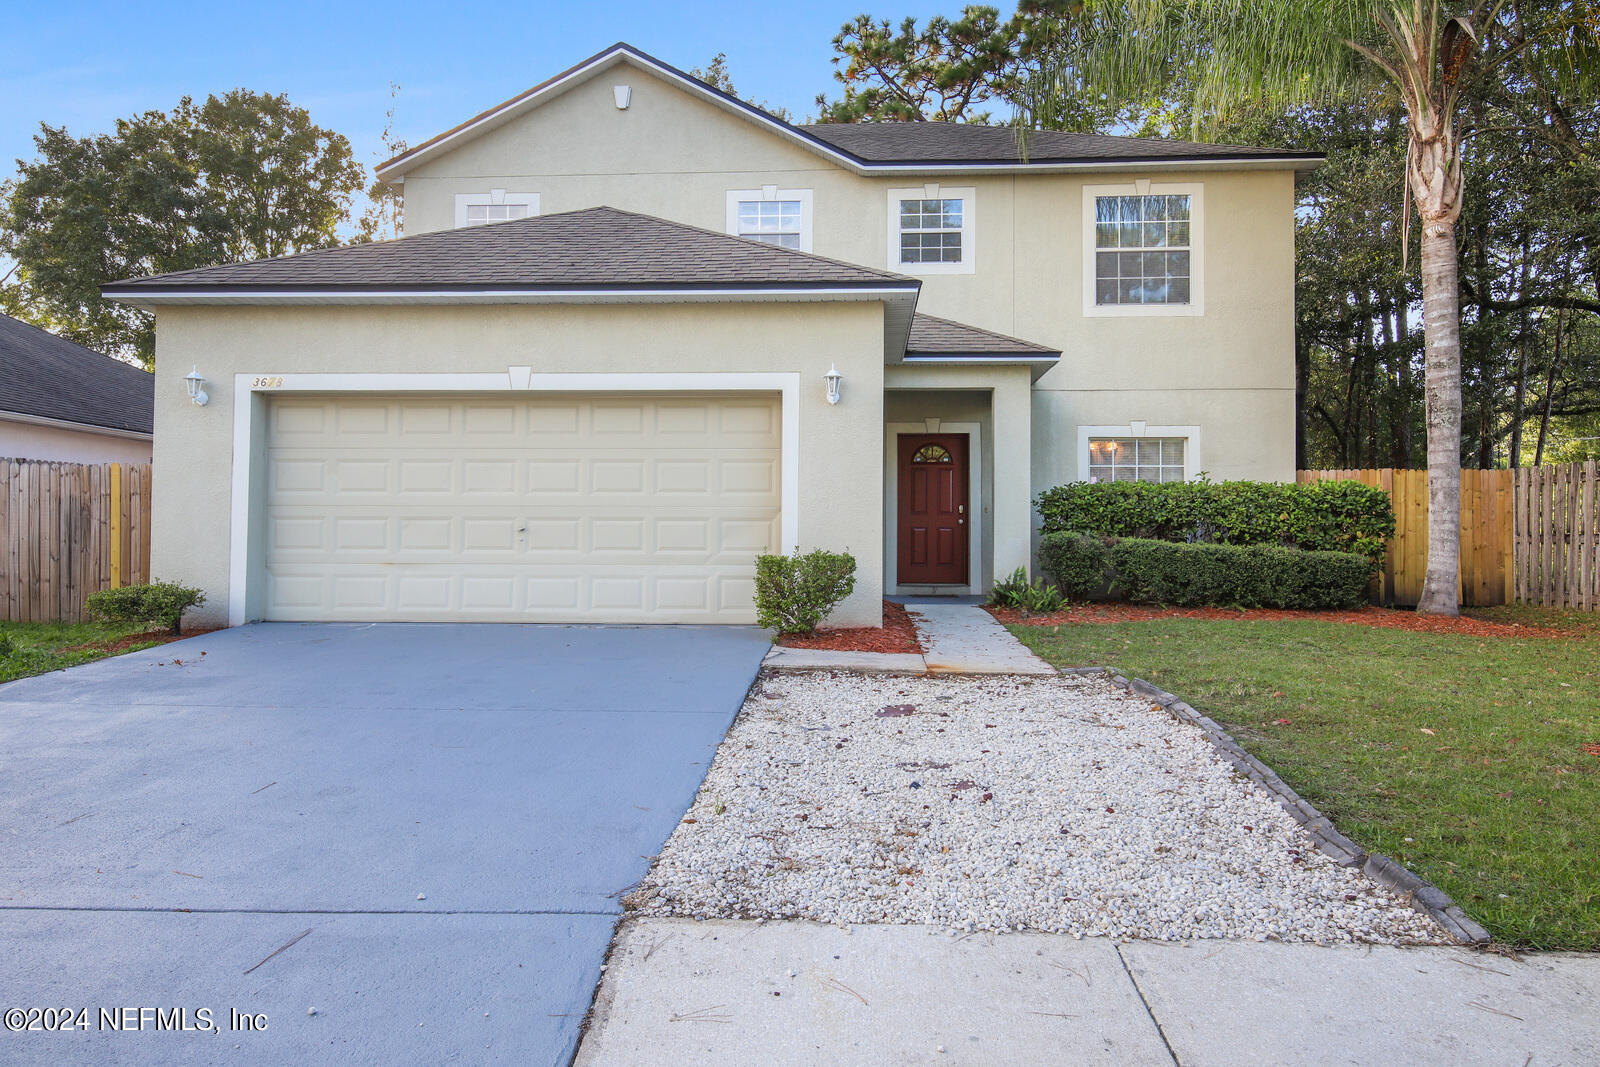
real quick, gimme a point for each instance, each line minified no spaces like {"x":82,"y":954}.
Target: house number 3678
{"x":271,"y":382}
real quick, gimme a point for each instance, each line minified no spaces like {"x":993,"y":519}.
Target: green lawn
{"x":1461,"y":757}
{"x":36,"y":647}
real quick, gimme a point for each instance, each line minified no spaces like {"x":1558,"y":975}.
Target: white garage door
{"x":561,"y":508}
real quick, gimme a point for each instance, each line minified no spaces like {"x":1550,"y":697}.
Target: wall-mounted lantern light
{"x":833,"y":378}
{"x":196,"y":384}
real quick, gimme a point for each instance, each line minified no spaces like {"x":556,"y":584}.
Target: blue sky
{"x":83,"y":65}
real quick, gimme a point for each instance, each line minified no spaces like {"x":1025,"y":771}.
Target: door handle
{"x":961,"y":509}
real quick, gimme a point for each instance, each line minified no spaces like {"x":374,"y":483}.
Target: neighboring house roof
{"x":599,"y":248}
{"x":934,"y":339}
{"x":48,"y":378}
{"x":878,"y":147}
{"x":959,"y":142}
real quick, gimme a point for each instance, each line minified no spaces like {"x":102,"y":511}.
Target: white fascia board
{"x":985,"y":358}
{"x":222,"y":296}
{"x":394,"y":173}
{"x":1039,"y":365}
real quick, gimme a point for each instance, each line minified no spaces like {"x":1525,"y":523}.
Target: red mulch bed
{"x":897,"y":634}
{"x":1389,"y":618}
{"x":122,"y":644}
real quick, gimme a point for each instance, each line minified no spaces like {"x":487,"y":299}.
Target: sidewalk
{"x":958,"y":636}
{"x":732,"y":992}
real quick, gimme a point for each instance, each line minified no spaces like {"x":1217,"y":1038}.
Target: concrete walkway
{"x":729,"y":992}
{"x":958,"y":636}
{"x":965,"y":639}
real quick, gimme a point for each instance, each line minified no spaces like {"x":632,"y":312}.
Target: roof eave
{"x":149,"y":296}
{"x":1038,"y":363}
{"x":75,"y":424}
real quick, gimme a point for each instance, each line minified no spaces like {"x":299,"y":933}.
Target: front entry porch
{"x":957,"y":478}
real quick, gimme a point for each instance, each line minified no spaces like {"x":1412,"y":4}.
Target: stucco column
{"x":1013,"y":473}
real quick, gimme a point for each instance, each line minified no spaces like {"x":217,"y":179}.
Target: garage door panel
{"x":335,"y":477}
{"x":485,"y":535}
{"x":451,"y":592}
{"x":569,"y":508}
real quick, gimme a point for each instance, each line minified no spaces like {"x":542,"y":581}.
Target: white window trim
{"x":891,"y":500}
{"x":1190,"y":434}
{"x":969,"y":219}
{"x":771,"y":192}
{"x":247,"y":549}
{"x":1195,"y":191}
{"x":493,"y":197}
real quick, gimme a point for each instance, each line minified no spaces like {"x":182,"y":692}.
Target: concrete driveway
{"x":436,"y":820}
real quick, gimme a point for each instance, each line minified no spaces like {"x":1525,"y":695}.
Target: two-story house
{"x":640,"y":331}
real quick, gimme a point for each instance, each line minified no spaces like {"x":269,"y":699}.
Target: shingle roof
{"x":597,"y":248}
{"x":955,"y":142}
{"x":866,"y":146}
{"x":48,"y":377}
{"x":932,"y":336}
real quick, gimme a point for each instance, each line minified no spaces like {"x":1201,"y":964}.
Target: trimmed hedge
{"x":1079,"y":563}
{"x":1204,"y":575}
{"x":158,"y":602}
{"x":795,"y":593}
{"x":1318,"y":516}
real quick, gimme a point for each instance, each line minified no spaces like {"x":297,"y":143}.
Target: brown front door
{"x":933,"y":509}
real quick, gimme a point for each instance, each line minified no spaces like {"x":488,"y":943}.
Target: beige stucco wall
{"x":672,"y":154}
{"x":840,"y":472}
{"x":25,"y":440}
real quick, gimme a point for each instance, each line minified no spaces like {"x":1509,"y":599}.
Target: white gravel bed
{"x":999,"y":803}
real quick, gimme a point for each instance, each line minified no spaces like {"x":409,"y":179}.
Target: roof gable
{"x":620,"y":54}
{"x":43,"y":376}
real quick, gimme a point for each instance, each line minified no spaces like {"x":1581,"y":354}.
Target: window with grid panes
{"x":480,"y":214}
{"x":930,"y":231}
{"x":773,"y":222}
{"x":1136,"y":459}
{"x":1142,"y":249}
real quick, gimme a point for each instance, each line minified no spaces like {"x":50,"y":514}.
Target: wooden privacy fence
{"x":1558,"y":535}
{"x":1488,"y":513}
{"x":70,"y":529}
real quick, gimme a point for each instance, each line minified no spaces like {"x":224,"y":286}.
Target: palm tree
{"x":1290,"y":52}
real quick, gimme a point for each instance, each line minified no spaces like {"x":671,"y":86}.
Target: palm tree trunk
{"x":1441,"y":309}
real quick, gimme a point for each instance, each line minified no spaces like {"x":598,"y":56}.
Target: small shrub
{"x":1079,"y":563}
{"x":1041,"y":598}
{"x":1032,"y":598}
{"x":1245,"y":576}
{"x":795,"y":593}
{"x":6,"y":647}
{"x":159,"y":602}
{"x":1008,"y":592}
{"x":1318,"y":516}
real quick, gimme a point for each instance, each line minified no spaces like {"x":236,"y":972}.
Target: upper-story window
{"x":478,"y":214}
{"x":931,"y":230}
{"x":497,"y":205}
{"x":1142,"y":251}
{"x":771,"y":215}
